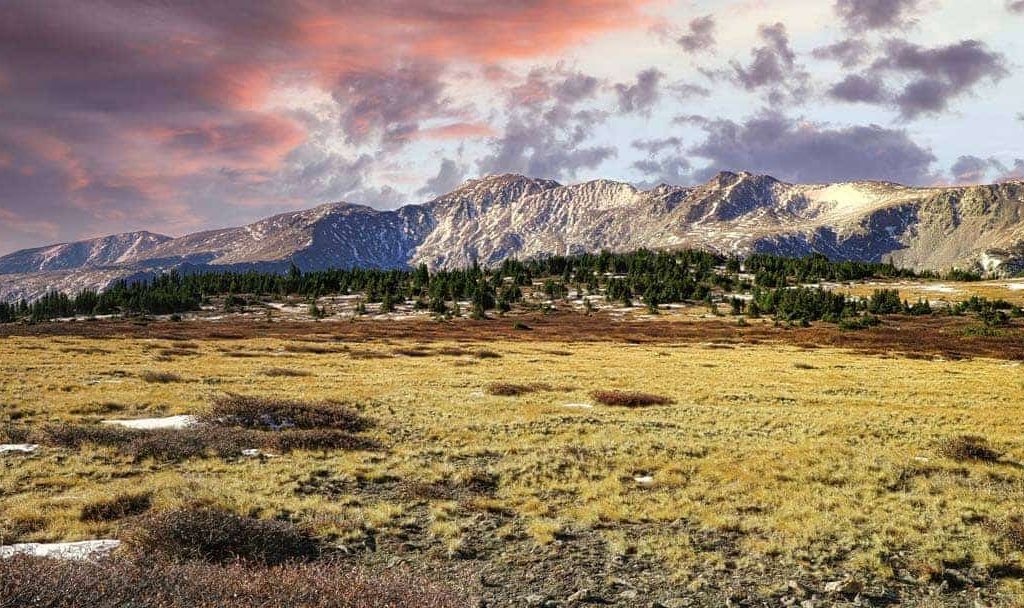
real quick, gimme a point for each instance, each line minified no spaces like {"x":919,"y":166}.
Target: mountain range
{"x":495,"y":217}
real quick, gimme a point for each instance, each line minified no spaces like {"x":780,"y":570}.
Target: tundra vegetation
{"x":544,"y":455}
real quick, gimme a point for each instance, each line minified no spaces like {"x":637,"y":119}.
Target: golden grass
{"x":824,"y":460}
{"x":1011,"y":290}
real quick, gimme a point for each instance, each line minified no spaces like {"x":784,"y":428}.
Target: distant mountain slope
{"x":501,"y":216}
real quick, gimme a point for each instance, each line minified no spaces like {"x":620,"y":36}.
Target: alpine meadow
{"x":544,"y":304}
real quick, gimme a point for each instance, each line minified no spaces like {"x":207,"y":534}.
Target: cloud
{"x":1015,"y":6}
{"x":849,"y":53}
{"x":860,"y":15}
{"x":665,"y":163}
{"x":181,"y":115}
{"x":448,"y":177}
{"x":858,"y":89}
{"x":640,"y":97}
{"x":390,"y":103}
{"x":972,"y":170}
{"x":546,"y":135}
{"x":700,"y":35}
{"x":800,"y":151}
{"x":685,"y":90}
{"x":773,"y":66}
{"x":940,"y":74}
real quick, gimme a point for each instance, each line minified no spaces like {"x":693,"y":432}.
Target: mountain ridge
{"x":491,"y":218}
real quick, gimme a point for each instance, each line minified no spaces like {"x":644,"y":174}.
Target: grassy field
{"x":1011,"y":290}
{"x":775,"y":469}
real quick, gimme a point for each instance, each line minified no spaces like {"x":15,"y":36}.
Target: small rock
{"x":535,"y":599}
{"x":580,"y":596}
{"x":644,"y":480}
{"x":846,"y":586}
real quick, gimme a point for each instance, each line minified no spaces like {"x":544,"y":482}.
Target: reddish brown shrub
{"x":219,"y":537}
{"x":508,"y":389}
{"x":969,"y":447}
{"x":32,"y":582}
{"x":629,"y":398}
{"x":265,"y":413}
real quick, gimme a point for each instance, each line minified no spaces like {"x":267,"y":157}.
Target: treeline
{"x":655,"y":277}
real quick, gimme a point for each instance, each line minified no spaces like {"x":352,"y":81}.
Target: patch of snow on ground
{"x":19,"y":448}
{"x":1015,"y":286}
{"x":581,"y":406}
{"x":170,"y":422}
{"x":86,"y":549}
{"x":940,"y":288}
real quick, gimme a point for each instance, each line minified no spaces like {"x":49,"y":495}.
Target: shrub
{"x":282,"y":372}
{"x":219,"y":537}
{"x":629,"y":398}
{"x":159,"y":377}
{"x":316,"y":439}
{"x":507,"y":389}
{"x":969,"y":447}
{"x":33,"y":582}
{"x":274,"y":414}
{"x":521,"y":326}
{"x":118,"y":507}
{"x":76,"y":435}
{"x":487,"y":354}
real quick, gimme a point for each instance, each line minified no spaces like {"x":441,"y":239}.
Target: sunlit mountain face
{"x":175,"y":118}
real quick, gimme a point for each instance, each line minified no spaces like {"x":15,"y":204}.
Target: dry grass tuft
{"x":120,"y":506}
{"x":159,"y":377}
{"x":969,"y":447}
{"x":629,"y":398}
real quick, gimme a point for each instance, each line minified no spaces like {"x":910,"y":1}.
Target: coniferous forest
{"x":655,"y":278}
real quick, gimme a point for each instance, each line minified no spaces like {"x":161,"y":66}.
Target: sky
{"x":176,"y":116}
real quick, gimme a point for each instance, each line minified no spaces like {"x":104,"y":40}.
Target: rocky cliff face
{"x":502,"y":216}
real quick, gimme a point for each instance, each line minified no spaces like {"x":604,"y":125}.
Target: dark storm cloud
{"x":773,"y":66}
{"x":849,"y":53}
{"x":700,"y":35}
{"x":858,"y":89}
{"x":876,"y":14}
{"x":640,"y":96}
{"x":448,"y":177}
{"x":940,"y":74}
{"x":808,"y":152}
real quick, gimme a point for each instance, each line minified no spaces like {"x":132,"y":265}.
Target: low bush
{"x":629,"y":398}
{"x":76,"y":435}
{"x":969,"y":447}
{"x":283,"y":372}
{"x":487,"y":354}
{"x":33,"y":582}
{"x":118,"y":507}
{"x":316,"y":439}
{"x":218,"y":537}
{"x":159,"y":377}
{"x":265,"y":413}
{"x":507,"y":389}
